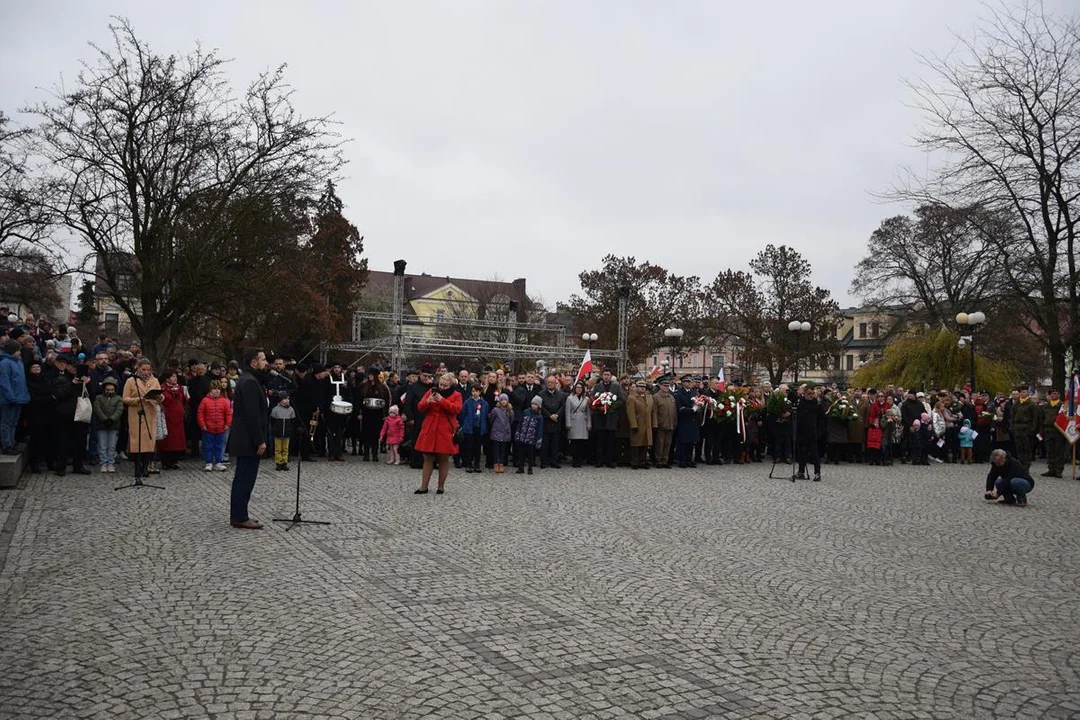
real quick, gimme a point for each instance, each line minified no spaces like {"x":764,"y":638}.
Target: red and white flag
{"x":720,"y":377}
{"x":586,"y":367}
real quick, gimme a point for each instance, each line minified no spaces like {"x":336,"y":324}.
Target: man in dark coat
{"x":809,"y":424}
{"x":605,"y":425}
{"x":910,"y":411}
{"x":414,"y":419}
{"x":69,"y":437}
{"x":247,"y":439}
{"x":198,"y":387}
{"x":688,"y":426}
{"x":335,"y":423}
{"x":553,"y":410}
{"x":305,"y":402}
{"x":1008,"y":480}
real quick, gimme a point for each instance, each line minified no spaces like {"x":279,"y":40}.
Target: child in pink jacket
{"x":393,"y":433}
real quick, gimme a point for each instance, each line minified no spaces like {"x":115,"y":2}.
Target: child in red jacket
{"x":393,"y":433}
{"x":215,"y":419}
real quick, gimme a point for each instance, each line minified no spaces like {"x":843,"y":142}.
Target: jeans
{"x":213,"y":447}
{"x":1013,"y":490}
{"x":106,"y":441}
{"x":9,"y":418}
{"x":247,"y":471}
{"x":500,"y":448}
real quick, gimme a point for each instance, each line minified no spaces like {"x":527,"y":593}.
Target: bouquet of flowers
{"x":842,"y":409}
{"x":728,"y":408}
{"x":777,"y":404}
{"x":984,"y":419}
{"x":605,"y":402}
{"x":956,"y":406}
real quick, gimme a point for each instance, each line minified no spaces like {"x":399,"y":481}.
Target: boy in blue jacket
{"x":473,"y":420}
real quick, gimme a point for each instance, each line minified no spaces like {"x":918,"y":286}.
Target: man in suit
{"x":247,"y":439}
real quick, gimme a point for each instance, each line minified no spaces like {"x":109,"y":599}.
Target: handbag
{"x":84,"y":410}
{"x":162,"y":426}
{"x":459,"y":435}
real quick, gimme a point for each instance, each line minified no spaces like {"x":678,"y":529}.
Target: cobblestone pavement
{"x":715,"y":592}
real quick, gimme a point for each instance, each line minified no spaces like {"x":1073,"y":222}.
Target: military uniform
{"x":1056,"y":444}
{"x":1026,"y":424}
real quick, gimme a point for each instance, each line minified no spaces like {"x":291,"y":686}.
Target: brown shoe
{"x":247,"y":525}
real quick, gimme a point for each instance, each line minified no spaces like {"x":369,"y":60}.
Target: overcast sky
{"x":529,"y":139}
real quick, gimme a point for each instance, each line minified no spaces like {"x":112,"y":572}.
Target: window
{"x":850,"y":362}
{"x":875,"y":329}
{"x":111,"y":326}
{"x":862,"y":358}
{"x":440,"y":315}
{"x":836,"y":362}
{"x":862,"y":330}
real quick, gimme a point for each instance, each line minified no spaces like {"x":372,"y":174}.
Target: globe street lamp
{"x":970,"y":320}
{"x":798,"y":327}
{"x":589,"y":339}
{"x":673,"y":335}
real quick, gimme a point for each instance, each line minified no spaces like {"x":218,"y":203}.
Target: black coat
{"x":809,"y":420}
{"x":522,"y":397}
{"x":553,"y":402}
{"x":251,"y":420}
{"x":65,"y":395}
{"x":40,"y":409}
{"x":305,"y":399}
{"x":688,"y":422}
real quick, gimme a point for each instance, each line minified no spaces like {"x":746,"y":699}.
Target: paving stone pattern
{"x":708,"y":593}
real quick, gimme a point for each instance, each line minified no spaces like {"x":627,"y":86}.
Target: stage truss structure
{"x":401,"y":344}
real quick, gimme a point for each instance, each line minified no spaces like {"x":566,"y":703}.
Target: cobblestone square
{"x":708,"y":593}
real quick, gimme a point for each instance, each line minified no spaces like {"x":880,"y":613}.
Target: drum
{"x":374,"y":403}
{"x":340,"y":407}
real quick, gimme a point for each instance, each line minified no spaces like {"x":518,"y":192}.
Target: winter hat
{"x":12,"y":347}
{"x":394,"y":410}
{"x":537,"y":401}
{"x":110,"y":380}
{"x":925,"y":417}
{"x":503,"y":396}
{"x":916,"y":424}
{"x":967,"y":423}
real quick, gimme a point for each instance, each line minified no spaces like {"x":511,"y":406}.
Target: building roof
{"x":418,"y":286}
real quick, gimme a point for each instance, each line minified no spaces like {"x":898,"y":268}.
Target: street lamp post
{"x":673,"y":335}
{"x":798,"y":327}
{"x":589,"y":339}
{"x":970,"y":320}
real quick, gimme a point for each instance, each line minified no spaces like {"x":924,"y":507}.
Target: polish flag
{"x":586,"y":367}
{"x":720,"y":375}
{"x":655,"y":372}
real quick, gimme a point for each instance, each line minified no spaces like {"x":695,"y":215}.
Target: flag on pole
{"x":586,"y":367}
{"x":1066,"y":421}
{"x":655,"y":372}
{"x":720,"y":376}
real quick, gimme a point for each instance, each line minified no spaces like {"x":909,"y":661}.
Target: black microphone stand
{"x":296,"y":519}
{"x":142,"y":426}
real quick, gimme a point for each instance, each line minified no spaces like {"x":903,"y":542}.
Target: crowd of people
{"x":96,"y":409}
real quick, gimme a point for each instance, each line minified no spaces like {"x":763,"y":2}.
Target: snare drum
{"x":340,"y":407}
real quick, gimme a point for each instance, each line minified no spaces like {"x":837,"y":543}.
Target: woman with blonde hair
{"x":142,"y":396}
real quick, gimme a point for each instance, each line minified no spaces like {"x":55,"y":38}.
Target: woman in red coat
{"x":173,"y":447}
{"x":436,"y":439}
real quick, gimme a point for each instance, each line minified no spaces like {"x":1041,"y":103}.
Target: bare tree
{"x":24,"y":224}
{"x":1003,"y":114}
{"x":150,"y":161}
{"x":754,"y":310}
{"x":934,"y":265}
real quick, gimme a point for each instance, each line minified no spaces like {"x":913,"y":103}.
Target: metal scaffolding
{"x":401,"y":345}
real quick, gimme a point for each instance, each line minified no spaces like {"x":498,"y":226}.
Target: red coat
{"x":437,"y":432}
{"x":215,"y":414}
{"x":173,"y":406}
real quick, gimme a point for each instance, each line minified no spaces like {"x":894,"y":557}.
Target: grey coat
{"x":578,"y":417}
